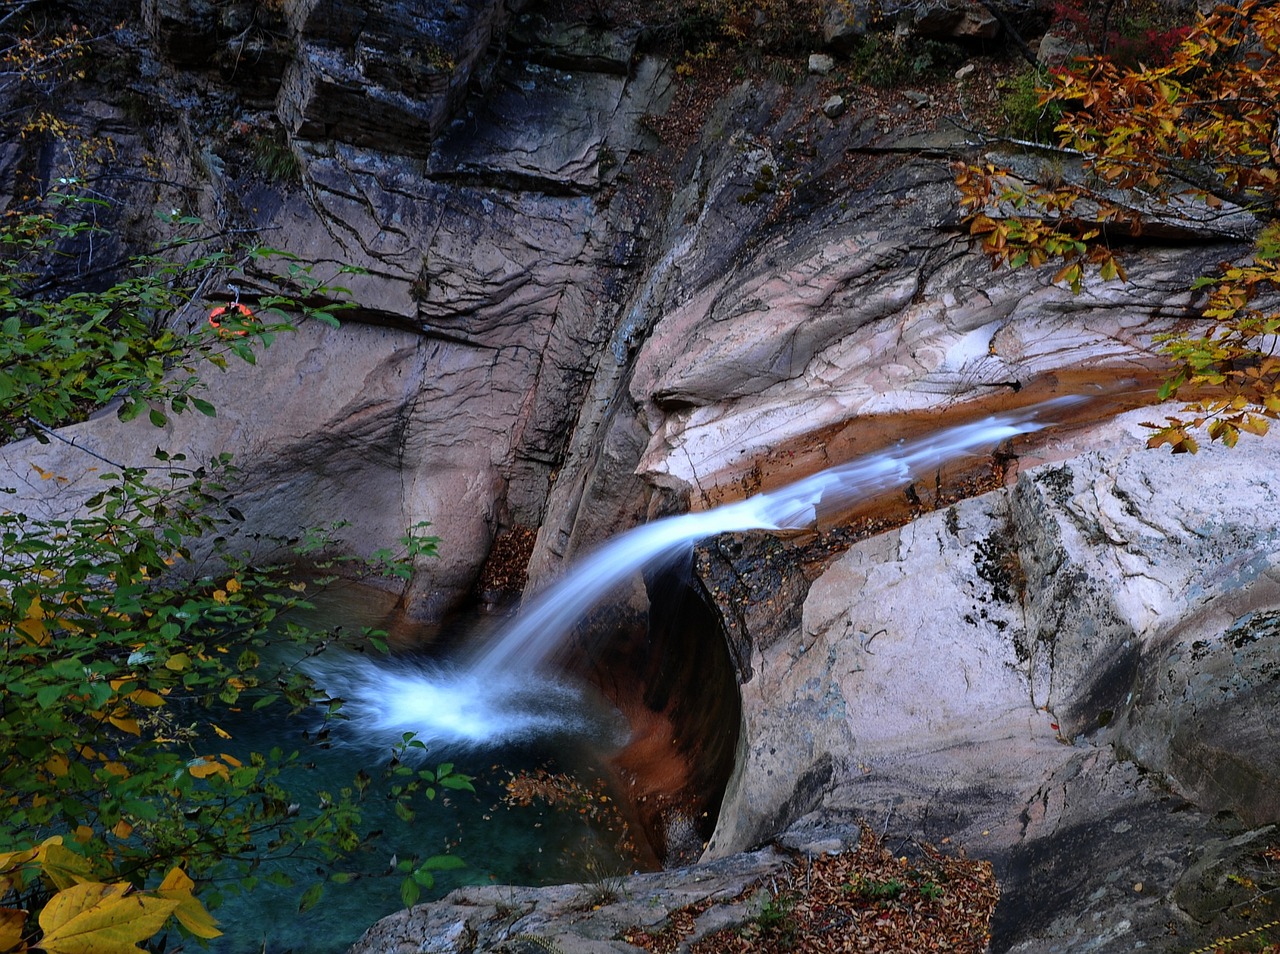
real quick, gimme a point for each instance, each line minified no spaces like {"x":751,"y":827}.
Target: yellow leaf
{"x":11,"y":924}
{"x":981,"y":225}
{"x":34,"y":630}
{"x":220,"y":596}
{"x":176,"y":881}
{"x":233,"y":585}
{"x":205,"y":769}
{"x":63,"y":866}
{"x":57,"y":764}
{"x":126,"y":725}
{"x":94,"y":918}
{"x":1255,"y":424}
{"x":82,"y":834}
{"x":222,"y":733}
{"x":191,"y":914}
{"x":178,"y":662}
{"x":12,"y":859}
{"x":298,"y":587}
{"x":145,"y":697}
{"x":10,"y":863}
{"x":230,"y":760}
{"x":122,"y":829}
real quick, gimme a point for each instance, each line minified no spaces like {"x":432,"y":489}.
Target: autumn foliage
{"x":1194,"y":139}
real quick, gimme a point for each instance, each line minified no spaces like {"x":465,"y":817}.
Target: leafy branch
{"x":1196,"y":137}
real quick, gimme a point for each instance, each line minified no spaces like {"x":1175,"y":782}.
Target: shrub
{"x":118,"y":796}
{"x":1026,"y":116}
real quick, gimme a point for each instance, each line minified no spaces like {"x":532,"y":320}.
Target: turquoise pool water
{"x":499,"y":842}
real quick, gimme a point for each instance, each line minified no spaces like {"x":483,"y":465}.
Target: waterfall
{"x":536,"y":632}
{"x":502,"y":694}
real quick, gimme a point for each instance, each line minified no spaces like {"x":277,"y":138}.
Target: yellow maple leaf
{"x":93,"y":918}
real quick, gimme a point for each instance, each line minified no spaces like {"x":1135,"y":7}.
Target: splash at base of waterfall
{"x":452,"y":707}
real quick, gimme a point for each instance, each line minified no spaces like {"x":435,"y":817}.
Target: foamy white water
{"x":501,"y":696}
{"x":444,"y":705}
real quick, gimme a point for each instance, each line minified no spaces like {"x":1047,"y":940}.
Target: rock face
{"x":568,"y":324}
{"x":1097,"y":632}
{"x":493,"y":271}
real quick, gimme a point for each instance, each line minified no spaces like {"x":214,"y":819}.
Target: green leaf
{"x":443,"y":863}
{"x":310,"y":897}
{"x":157,"y":417}
{"x":424,"y":878}
{"x":204,"y":407}
{"x":409,"y":892}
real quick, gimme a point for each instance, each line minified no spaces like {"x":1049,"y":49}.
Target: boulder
{"x":845,"y":22}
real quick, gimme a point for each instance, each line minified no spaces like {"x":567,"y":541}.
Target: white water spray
{"x":500,"y":696}
{"x":441,"y":704}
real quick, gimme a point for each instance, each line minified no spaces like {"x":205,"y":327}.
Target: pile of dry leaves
{"x":866,"y":900}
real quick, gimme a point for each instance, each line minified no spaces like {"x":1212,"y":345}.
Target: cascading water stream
{"x":502,"y":695}
{"x":537,"y":631}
